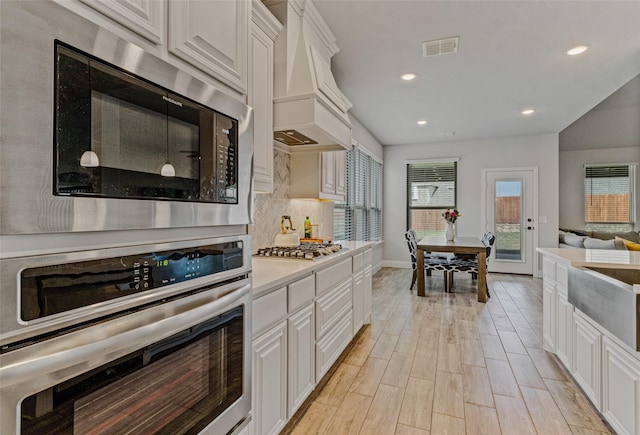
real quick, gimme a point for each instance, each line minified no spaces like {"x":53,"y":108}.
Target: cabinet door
{"x":260,"y":97}
{"x":587,"y":342}
{"x":328,"y":173}
{"x":301,"y":357}
{"x":564,"y":326}
{"x":548,"y":314}
{"x":358,"y":301}
{"x":145,"y":17}
{"x":367,"y":295}
{"x":270,"y":380}
{"x":620,"y":388}
{"x":340,"y":172}
{"x":212,"y":36}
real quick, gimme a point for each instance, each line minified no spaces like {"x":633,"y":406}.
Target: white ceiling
{"x":510,"y":57}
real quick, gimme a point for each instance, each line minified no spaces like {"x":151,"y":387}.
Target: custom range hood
{"x":309,"y":111}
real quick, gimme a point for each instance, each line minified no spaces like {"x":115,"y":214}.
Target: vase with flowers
{"x":451,"y":216}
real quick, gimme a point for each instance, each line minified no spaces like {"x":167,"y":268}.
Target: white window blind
{"x":431,"y":189}
{"x":609,"y":196}
{"x":359,"y":217}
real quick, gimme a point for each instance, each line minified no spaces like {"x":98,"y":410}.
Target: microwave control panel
{"x":226,"y":159}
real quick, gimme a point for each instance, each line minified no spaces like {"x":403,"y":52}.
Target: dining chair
{"x":470,"y":264}
{"x":431,"y":261}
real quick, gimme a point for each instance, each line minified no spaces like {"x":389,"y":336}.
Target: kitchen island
{"x":591,"y":322}
{"x":305,"y":314}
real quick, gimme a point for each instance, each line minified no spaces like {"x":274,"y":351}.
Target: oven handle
{"x":28,"y":370}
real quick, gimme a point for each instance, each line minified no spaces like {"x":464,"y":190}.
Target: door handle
{"x":529,"y":228}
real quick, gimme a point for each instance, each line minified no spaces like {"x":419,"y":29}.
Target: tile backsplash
{"x":269,"y":208}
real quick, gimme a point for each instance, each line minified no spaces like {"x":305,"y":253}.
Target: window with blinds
{"x":431,"y":189}
{"x":359,"y":217}
{"x":609,"y":197}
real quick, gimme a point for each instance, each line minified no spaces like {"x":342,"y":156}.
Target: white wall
{"x":539,"y":151}
{"x":572,"y":176}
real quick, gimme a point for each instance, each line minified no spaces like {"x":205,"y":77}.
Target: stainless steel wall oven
{"x":150,"y":339}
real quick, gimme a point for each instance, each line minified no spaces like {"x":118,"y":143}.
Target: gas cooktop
{"x":304,"y":251}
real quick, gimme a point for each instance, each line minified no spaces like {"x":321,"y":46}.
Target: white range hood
{"x":309,"y":111}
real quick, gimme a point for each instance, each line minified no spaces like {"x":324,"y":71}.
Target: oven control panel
{"x":53,"y":289}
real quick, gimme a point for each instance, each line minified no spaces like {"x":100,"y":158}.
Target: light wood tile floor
{"x":446,"y":364}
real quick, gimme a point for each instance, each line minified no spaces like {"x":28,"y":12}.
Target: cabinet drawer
{"x":548,"y":268}
{"x":332,"y":276}
{"x":269,"y":309}
{"x":358,"y":262}
{"x":330,"y":307}
{"x":301,"y":292}
{"x":329,"y":348}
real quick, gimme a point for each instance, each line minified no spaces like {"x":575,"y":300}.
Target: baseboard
{"x":398,"y":264}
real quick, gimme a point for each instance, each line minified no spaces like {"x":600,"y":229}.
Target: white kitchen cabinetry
{"x":333,"y":314}
{"x":587,"y":349}
{"x":269,"y":388}
{"x":144,"y":17}
{"x":549,"y":304}
{"x":212,"y":36}
{"x":564,"y":318}
{"x":301,"y":342}
{"x":318,"y":175}
{"x":362,"y":270}
{"x":264,"y":30}
{"x":620,"y":388}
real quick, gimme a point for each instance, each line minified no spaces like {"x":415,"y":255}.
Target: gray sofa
{"x":595,"y":239}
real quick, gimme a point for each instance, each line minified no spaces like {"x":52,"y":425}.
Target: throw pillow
{"x":631,"y":246}
{"x":591,"y":243}
{"x":561,"y":235}
{"x":574,"y":240}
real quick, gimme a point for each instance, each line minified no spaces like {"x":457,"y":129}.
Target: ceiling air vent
{"x":440,"y":46}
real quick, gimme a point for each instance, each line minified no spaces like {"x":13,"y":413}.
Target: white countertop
{"x":605,"y":258}
{"x":270,"y":273}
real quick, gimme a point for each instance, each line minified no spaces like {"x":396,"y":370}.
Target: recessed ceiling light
{"x":528,"y":111}
{"x":408,"y":76}
{"x":577,"y":50}
{"x":422,"y":122}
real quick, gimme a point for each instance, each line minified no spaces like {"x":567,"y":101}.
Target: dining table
{"x":460,"y":245}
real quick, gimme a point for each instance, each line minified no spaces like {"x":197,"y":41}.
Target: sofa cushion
{"x":631,"y":246}
{"x":629,"y":235}
{"x":574,"y":240}
{"x":592,"y":243}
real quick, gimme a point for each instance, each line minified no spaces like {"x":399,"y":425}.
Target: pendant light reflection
{"x":89,"y":159}
{"x":167,"y":169}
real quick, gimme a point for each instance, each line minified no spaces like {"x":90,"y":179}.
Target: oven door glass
{"x":120,"y":136}
{"x":175,"y":386}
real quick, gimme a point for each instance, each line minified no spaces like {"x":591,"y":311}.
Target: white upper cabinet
{"x":264,"y":30}
{"x":318,"y":175}
{"x":144,"y":17}
{"x":212,"y":36}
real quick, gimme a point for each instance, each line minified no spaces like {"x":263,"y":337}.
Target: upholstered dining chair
{"x":431,"y":261}
{"x":470,"y":264}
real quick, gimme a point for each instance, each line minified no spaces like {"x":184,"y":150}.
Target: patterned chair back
{"x":488,"y":239}
{"x":412,"y":243}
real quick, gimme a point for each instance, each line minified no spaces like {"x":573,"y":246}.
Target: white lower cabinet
{"x":620,"y":388}
{"x":329,"y":347}
{"x":564,"y":327}
{"x":548,"y":314}
{"x":301,"y":376}
{"x":587,"y":342}
{"x":269,"y":388}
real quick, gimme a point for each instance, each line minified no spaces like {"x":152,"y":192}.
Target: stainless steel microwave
{"x":102,"y":134}
{"x":118,"y":135}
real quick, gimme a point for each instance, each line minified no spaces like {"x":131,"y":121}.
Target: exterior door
{"x":509,"y":214}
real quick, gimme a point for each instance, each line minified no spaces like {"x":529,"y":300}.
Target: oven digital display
{"x":53,"y":289}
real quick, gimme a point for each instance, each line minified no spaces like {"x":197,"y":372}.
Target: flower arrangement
{"x":451,"y":215}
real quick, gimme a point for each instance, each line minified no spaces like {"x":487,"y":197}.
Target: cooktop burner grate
{"x":304,"y":251}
